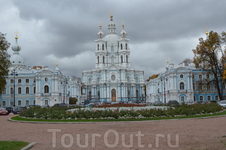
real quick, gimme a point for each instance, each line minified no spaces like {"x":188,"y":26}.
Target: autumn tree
{"x":210,"y":56}
{"x":4,"y":61}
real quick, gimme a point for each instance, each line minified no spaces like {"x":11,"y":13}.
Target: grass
{"x":108,"y":120}
{"x":12,"y":145}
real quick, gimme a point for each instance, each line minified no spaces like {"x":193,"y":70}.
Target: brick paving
{"x":183,"y":134}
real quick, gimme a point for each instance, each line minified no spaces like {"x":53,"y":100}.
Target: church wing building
{"x":113,"y":79}
{"x":37,"y":85}
{"x":184,"y":83}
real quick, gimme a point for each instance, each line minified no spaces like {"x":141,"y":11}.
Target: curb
{"x":29,"y":146}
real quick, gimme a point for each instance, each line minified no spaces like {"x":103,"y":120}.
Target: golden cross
{"x":16,"y":37}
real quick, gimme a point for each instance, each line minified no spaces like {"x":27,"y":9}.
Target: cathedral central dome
{"x":112,"y":39}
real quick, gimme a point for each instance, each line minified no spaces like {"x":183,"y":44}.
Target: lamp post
{"x":64,"y":89}
{"x":14,"y":73}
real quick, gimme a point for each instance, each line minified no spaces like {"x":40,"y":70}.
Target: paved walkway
{"x":184,"y":134}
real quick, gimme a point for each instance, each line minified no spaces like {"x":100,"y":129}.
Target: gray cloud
{"x":65,"y":31}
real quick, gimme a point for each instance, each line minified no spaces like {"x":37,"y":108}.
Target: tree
{"x":210,"y":56}
{"x":4,"y":61}
{"x":72,"y":100}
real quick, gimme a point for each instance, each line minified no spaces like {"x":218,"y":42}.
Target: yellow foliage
{"x":153,"y":77}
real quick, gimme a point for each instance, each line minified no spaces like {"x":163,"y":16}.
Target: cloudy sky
{"x":66,"y":30}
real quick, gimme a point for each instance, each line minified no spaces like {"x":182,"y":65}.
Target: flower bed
{"x":54,"y":113}
{"x":119,"y":105}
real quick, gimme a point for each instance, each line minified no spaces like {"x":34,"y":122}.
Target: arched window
{"x":11,"y":81}
{"x":127,"y":78}
{"x":11,"y":90}
{"x":127,"y":59}
{"x":19,"y":90}
{"x":121,"y":46}
{"x":90,"y":80}
{"x":27,"y":90}
{"x":126,"y":46}
{"x":200,"y":86}
{"x":90,"y":95}
{"x":27,"y":102}
{"x":181,"y":86}
{"x":33,"y":102}
{"x":3,"y":103}
{"x":136,"y":79}
{"x":208,"y":86}
{"x":46,"y":102}
{"x":182,"y":99}
{"x":128,"y":93}
{"x":137,"y":94}
{"x":102,"y":46}
{"x":121,"y":59}
{"x":98,"y":59}
{"x":209,"y":98}
{"x":112,"y":48}
{"x":19,"y":80}
{"x":98,"y":47}
{"x":103,"y":59}
{"x":98,"y":95}
{"x":112,"y":59}
{"x":201,"y":98}
{"x":19,"y":102}
{"x":46,"y":89}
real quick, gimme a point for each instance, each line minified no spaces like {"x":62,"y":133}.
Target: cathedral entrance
{"x":113,"y":95}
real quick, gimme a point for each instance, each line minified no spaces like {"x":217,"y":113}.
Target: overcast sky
{"x":66,"y":30}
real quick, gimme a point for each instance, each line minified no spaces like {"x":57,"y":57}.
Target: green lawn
{"x":12,"y":145}
{"x":130,"y":119}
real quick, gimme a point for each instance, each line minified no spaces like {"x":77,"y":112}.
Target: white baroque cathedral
{"x":113,"y":79}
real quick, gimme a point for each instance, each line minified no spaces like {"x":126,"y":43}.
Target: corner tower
{"x":16,"y":60}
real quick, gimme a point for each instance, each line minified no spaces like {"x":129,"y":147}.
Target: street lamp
{"x":14,"y":73}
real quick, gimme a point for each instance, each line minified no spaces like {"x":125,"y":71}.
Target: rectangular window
{"x":3,"y":103}
{"x":27,"y":80}
{"x":19,"y":80}
{"x":27,"y":102}
{"x":34,"y":89}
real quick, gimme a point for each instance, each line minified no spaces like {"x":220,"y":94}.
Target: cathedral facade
{"x":113,"y":79}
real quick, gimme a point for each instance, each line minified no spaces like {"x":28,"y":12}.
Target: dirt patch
{"x":182,"y":134}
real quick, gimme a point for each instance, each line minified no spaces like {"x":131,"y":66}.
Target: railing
{"x":45,"y":94}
